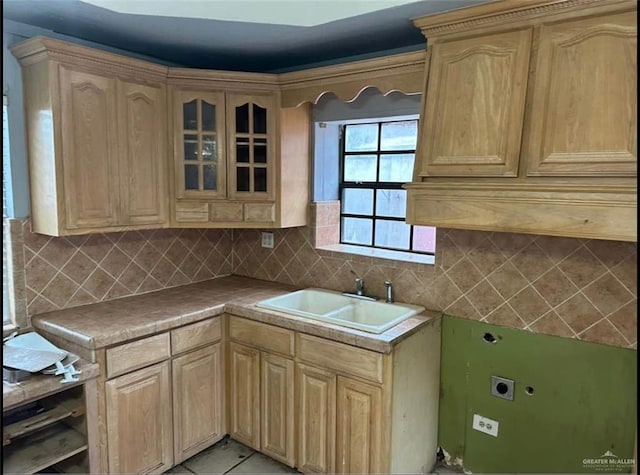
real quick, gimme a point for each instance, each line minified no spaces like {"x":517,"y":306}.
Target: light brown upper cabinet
{"x":473,"y":121}
{"x":96,"y":139}
{"x":238,"y":156}
{"x":199,"y":145}
{"x":583,"y":99}
{"x":529,"y":120}
{"x":251,"y":146}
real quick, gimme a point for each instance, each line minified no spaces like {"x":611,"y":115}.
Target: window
{"x":6,"y":307}
{"x":376,"y":160}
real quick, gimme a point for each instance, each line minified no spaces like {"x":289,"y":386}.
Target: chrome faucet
{"x":389,"y":287}
{"x":359,"y":286}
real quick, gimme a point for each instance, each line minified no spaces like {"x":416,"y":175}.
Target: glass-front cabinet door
{"x":200,"y":144}
{"x":251,"y":139}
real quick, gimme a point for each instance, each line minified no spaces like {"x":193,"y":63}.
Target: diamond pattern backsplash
{"x":70,"y":271}
{"x":576,"y":288}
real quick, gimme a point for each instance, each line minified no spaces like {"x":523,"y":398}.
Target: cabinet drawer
{"x":192,"y":212}
{"x":340,"y":357}
{"x":225,"y":212}
{"x":260,"y":335}
{"x":259,"y":213}
{"x":130,"y":356}
{"x":195,"y":335}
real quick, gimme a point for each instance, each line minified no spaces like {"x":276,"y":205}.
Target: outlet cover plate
{"x":502,"y":387}
{"x":486,"y":425}
{"x":267,"y":240}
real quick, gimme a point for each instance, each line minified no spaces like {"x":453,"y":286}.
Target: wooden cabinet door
{"x":89,"y":149}
{"x":244,"y":394}
{"x":251,"y":133}
{"x":474,"y":106}
{"x":276,"y":414}
{"x":139,"y":425}
{"x":198,"y":385}
{"x":358,"y":431}
{"x":199,"y":144}
{"x":584,"y":102}
{"x":142,"y":138}
{"x":316,"y":399}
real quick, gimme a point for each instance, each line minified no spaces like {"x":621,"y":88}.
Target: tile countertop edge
{"x":38,"y":323}
{"x":94,"y":327}
{"x":158,"y":326}
{"x":40,"y":385}
{"x":381,"y":343}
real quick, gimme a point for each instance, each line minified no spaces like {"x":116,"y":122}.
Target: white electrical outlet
{"x":486,"y":425}
{"x":267,"y":240}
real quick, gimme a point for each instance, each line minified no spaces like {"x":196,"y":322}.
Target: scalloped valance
{"x":402,"y":72}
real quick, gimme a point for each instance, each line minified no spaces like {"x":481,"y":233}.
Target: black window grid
{"x":375,"y":186}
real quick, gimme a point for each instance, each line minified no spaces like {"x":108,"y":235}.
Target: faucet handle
{"x":389,"y":286}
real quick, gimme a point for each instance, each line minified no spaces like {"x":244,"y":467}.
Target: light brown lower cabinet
{"x":316,"y":419}
{"x":312,"y":403}
{"x":168,"y":411}
{"x":139,"y":430}
{"x":346,"y":407}
{"x":358,"y":434}
{"x":197,"y":401}
{"x":338,"y":423}
{"x":276,"y":404}
{"x":244,"y":394}
{"x":261,"y":397}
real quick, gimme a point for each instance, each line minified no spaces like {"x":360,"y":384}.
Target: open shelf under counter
{"x":43,"y":448}
{"x":47,"y":423}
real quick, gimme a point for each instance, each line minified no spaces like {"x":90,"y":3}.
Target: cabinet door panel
{"x":358,"y":430}
{"x":139,"y":426}
{"x":89,"y":144}
{"x":277,"y":408}
{"x":142,"y":153}
{"x":197,"y":401}
{"x":244,"y":394}
{"x":199,"y":144}
{"x":251,"y":132}
{"x":316,"y":419}
{"x":474,"y":106}
{"x":583,"y":107}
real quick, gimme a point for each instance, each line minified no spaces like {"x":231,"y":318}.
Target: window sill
{"x":8,"y":329}
{"x":380,"y":253}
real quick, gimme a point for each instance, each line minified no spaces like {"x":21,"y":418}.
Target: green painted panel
{"x":583,"y":404}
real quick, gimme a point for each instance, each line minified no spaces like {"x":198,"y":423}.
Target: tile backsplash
{"x":61,"y":272}
{"x":575,"y":288}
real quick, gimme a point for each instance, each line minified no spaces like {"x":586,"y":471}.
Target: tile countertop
{"x":41,"y":385}
{"x":116,"y":321}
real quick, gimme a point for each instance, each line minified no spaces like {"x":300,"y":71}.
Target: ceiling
{"x":242,"y":35}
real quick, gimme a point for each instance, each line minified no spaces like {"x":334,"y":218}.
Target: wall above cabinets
{"x":529,"y":120}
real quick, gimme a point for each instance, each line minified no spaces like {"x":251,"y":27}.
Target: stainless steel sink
{"x":334,"y":307}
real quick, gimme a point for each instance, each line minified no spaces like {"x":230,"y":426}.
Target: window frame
{"x":375,"y":186}
{"x":8,"y":293}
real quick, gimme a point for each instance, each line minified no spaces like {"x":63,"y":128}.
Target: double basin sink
{"x":341,"y":309}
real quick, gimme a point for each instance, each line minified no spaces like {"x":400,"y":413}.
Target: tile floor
{"x":229,"y":456}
